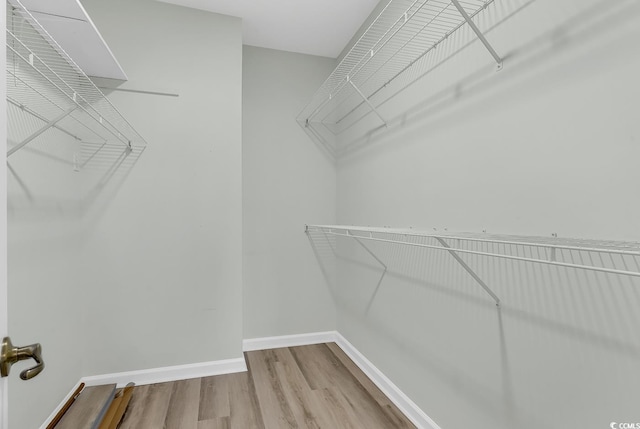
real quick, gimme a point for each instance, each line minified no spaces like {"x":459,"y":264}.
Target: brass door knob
{"x":10,"y":355}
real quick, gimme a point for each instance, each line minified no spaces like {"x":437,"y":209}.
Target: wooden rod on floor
{"x":117,"y":409}
{"x":65,"y":408}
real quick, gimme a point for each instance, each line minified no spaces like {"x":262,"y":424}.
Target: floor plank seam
{"x":307,"y":387}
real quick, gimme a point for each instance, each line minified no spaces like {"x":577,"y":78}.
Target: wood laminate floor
{"x":312,"y":387}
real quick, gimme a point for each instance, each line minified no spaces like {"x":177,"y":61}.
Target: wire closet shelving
{"x":47,"y":90}
{"x":404,"y":33}
{"x":559,"y":252}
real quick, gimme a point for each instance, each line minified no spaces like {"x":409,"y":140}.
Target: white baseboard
{"x":59,"y":407}
{"x":206,"y":369}
{"x":157,"y":375}
{"x":169,"y":373}
{"x":402,"y":401}
{"x":393,"y":392}
{"x":266,"y":343}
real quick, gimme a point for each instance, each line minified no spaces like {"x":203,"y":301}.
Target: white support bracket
{"x":366,"y":100}
{"x":42,"y":118}
{"x":384,"y":266}
{"x":469,"y":270}
{"x":44,"y":128}
{"x":476,"y":30}
{"x":373,"y":255}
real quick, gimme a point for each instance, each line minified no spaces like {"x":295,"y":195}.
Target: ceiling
{"x":315,"y":27}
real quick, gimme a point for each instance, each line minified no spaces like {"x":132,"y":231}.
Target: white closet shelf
{"x":401,"y":35}
{"x":550,"y":251}
{"x":44,"y":83}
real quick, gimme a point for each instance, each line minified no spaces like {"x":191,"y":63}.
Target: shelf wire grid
{"x":606,"y":256}
{"x":402,"y":34}
{"x":44,"y":82}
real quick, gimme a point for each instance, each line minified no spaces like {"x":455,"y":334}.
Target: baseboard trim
{"x":169,"y":373}
{"x":393,"y":392}
{"x":229,"y":366}
{"x":59,"y":407}
{"x":267,"y":343}
{"x":402,"y":401}
{"x":157,"y":375}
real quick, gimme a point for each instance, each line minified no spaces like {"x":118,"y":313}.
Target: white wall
{"x":4,"y":320}
{"x":44,"y":249}
{"x":134,"y":268}
{"x":547,"y":145}
{"x":163,"y":260}
{"x":287,"y":182}
{"x":524,"y":150}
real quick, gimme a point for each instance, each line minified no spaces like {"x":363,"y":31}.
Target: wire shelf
{"x":621,"y":258}
{"x":47,"y":90}
{"x":405,"y":32}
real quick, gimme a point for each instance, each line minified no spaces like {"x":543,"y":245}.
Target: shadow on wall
{"x":437,"y":272}
{"x":440,"y":323}
{"x":326,"y":144}
{"x":479,"y":86}
{"x":373,"y":305}
{"x":324,"y":248}
{"x":61,"y":179}
{"x":63,"y":164}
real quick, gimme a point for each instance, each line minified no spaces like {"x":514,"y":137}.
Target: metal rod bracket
{"x":476,"y":30}
{"x":469,"y":270}
{"x":33,"y":136}
{"x":366,"y":100}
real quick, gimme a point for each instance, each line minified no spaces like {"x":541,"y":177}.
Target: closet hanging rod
{"x":331,"y":230}
{"x":140,"y":91}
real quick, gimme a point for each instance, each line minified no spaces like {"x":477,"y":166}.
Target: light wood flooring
{"x":314,"y":386}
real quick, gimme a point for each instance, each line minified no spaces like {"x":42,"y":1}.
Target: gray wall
{"x":4,"y":320}
{"x":547,"y":145}
{"x":138,"y":267}
{"x":287,"y":182}
{"x":45,"y":272}
{"x":163,"y":259}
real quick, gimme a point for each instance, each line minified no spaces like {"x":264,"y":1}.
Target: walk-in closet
{"x":325,"y":214}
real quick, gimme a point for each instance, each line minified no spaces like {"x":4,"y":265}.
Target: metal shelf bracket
{"x":44,"y":128}
{"x":558,"y":251}
{"x":366,"y":100}
{"x":373,"y":255}
{"x":384,"y":270}
{"x":469,"y":270}
{"x":476,"y":30}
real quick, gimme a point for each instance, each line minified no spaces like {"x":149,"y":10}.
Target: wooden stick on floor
{"x":119,"y":405}
{"x":111,"y":412}
{"x":65,"y":408}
